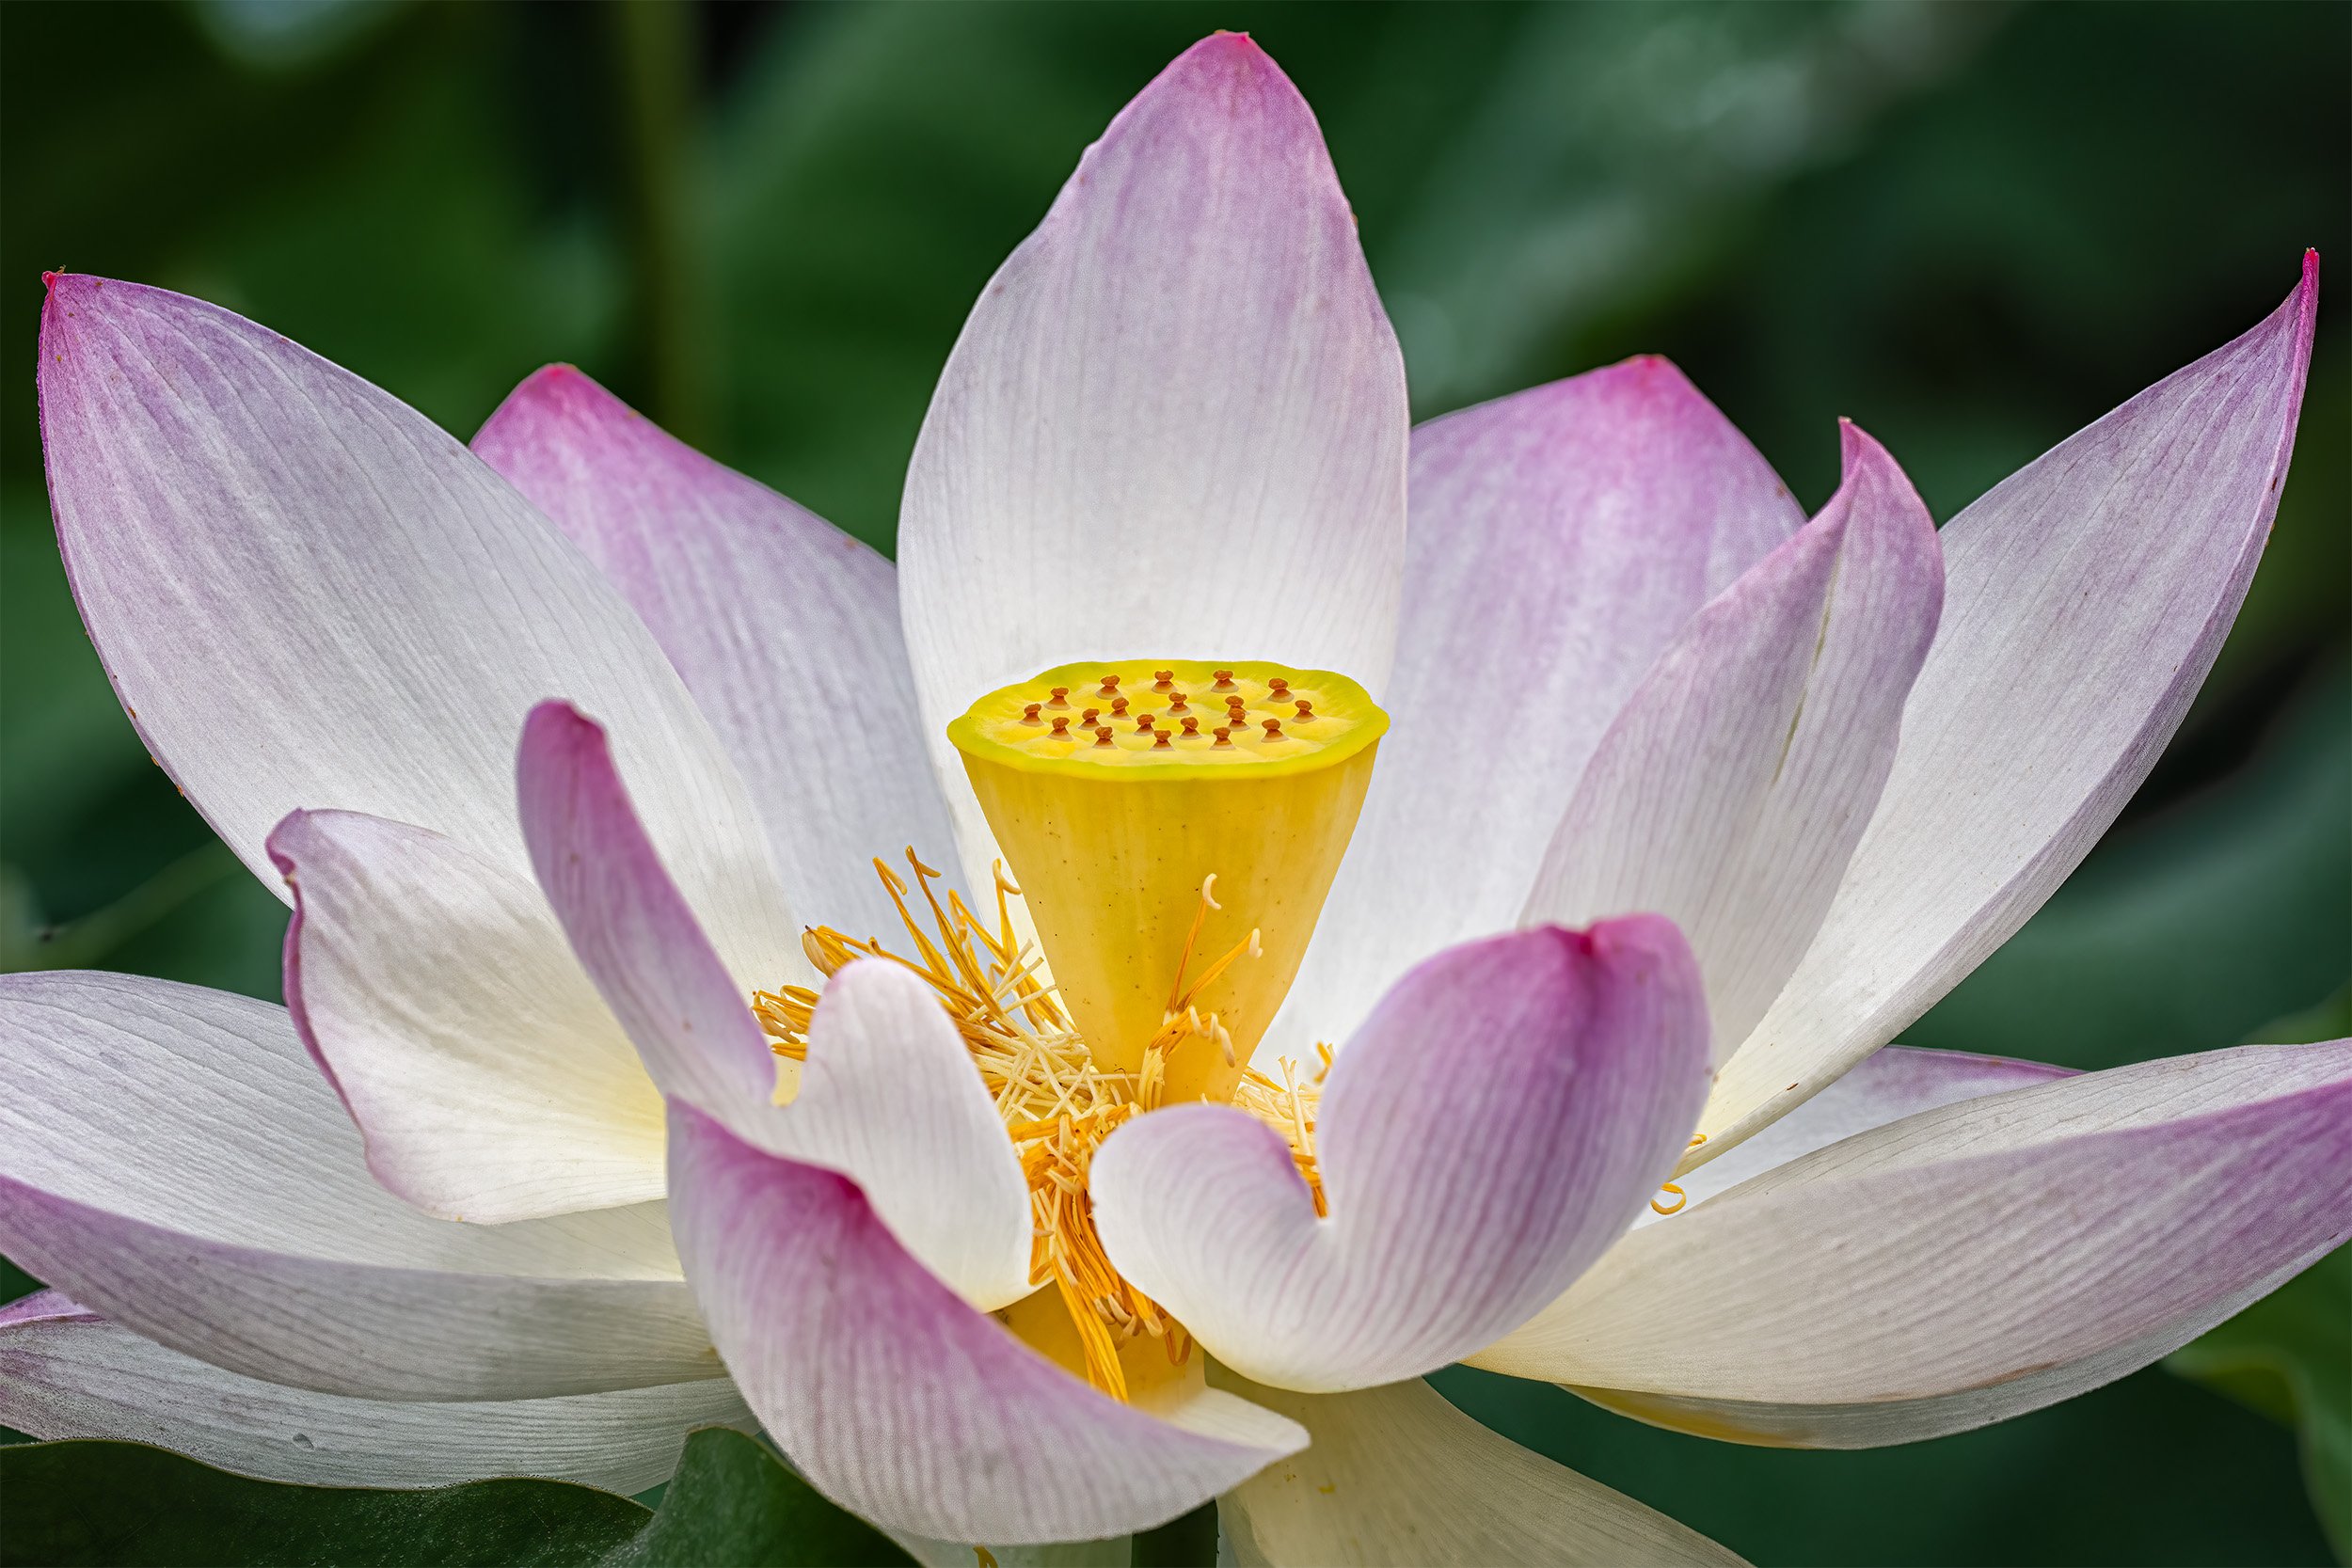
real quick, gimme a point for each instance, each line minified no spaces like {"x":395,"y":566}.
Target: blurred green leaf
{"x":88,"y":1504}
{"x":62,"y":737}
{"x":1518,"y":172}
{"x":733,"y":1501}
{"x":2288,"y":1356}
{"x":424,"y":209}
{"x":90,"y":941}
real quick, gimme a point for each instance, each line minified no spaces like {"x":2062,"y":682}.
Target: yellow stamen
{"x":1680,"y":1198}
{"x":1057,"y":1105}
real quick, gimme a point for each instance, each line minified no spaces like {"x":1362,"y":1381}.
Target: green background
{"x":1972,"y":228}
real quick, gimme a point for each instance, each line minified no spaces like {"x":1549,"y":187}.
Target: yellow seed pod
{"x":1250,"y":773}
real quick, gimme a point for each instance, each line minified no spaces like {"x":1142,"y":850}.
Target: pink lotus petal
{"x":1560,"y":538}
{"x":436,"y":992}
{"x":393,"y":607}
{"x":1971,"y":1262}
{"x":65,"y":1371}
{"x":1494,"y":1126}
{"x":889,"y":1093}
{"x":1174,"y":424}
{"x":631,"y":929}
{"x":898,"y":1400}
{"x":170,"y":1157}
{"x":785,"y":628}
{"x":1730,"y":793}
{"x":2087,"y":595}
{"x":1396,"y":1475}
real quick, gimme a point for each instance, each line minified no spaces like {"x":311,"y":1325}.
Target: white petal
{"x":1969,"y":1262}
{"x":1397,"y":1478}
{"x":889,"y":1094}
{"x":308,"y":596}
{"x":170,"y":1157}
{"x":900,"y":1400}
{"x":2086,"y":597}
{"x":1559,"y":538}
{"x":785,"y":628}
{"x":68,"y":1372}
{"x":1508,"y":1108}
{"x":489,"y":1081}
{"x":1174,"y":425}
{"x":1730,"y":793}
{"x":1886,"y":1086}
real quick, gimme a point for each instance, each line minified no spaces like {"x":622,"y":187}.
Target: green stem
{"x":85,"y":944}
{"x":654,"y":43}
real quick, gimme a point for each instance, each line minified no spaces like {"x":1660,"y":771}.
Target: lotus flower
{"x":1050,"y":1195}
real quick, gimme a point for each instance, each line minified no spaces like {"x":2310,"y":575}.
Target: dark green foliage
{"x":733,"y":1501}
{"x":124,"y":1505}
{"x":80,"y":1505}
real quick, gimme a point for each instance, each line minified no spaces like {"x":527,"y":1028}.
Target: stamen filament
{"x":1057,"y":1104}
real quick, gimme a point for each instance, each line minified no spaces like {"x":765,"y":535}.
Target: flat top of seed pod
{"x":1187,"y":719}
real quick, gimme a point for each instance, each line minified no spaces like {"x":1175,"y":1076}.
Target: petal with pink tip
{"x":489,"y":1081}
{"x":888,"y":1093}
{"x":1398,"y":1478}
{"x":1967,"y":1263}
{"x":633,"y":929}
{"x":1730,"y":793}
{"x":2086,"y":597}
{"x":902,"y":1403}
{"x":65,"y":1371}
{"x":1494,"y":1126}
{"x":1174,"y":424}
{"x":785,"y":628}
{"x":1560,"y":538}
{"x":170,"y":1157}
{"x":393,"y":607}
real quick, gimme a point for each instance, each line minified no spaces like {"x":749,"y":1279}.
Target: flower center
{"x":1057,"y":1104}
{"x":1176,"y":829}
{"x":1119,"y":792}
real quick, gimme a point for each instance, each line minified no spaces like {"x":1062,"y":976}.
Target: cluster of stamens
{"x":1057,"y":1105}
